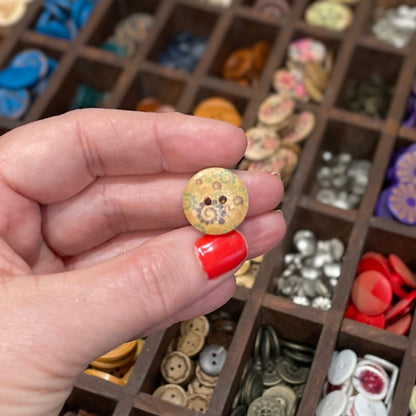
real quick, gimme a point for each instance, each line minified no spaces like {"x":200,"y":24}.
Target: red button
{"x":402,"y":270}
{"x":371,"y":293}
{"x":397,"y":285}
{"x":373,"y":261}
{"x":400,"y":306}
{"x":378,"y":320}
{"x":401,"y":326}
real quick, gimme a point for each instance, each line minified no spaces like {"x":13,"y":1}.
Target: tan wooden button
{"x":275,"y":109}
{"x":176,"y":368}
{"x":215,"y":201}
{"x":204,"y":378}
{"x":171,"y":393}
{"x":105,"y":376}
{"x":196,"y":387}
{"x":197,"y":402}
{"x":199,"y":324}
{"x":191,"y":343}
{"x":119,"y":352}
{"x":243,"y":269}
{"x":112,"y":364}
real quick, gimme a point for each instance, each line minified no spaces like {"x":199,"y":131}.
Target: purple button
{"x":406,"y":166}
{"x":402,"y":202}
{"x":382,"y":208}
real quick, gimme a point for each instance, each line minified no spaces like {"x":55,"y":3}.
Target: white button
{"x":366,"y":407}
{"x":342,"y":366}
{"x":332,"y":405}
{"x":371,"y":380}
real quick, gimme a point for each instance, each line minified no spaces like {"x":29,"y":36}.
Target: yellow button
{"x":215,"y":201}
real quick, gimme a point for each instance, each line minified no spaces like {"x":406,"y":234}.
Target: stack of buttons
{"x":398,"y":199}
{"x":194,"y":360}
{"x":87,"y":97}
{"x":23,"y":81}
{"x":245,"y":276}
{"x":218,"y":108}
{"x":307,"y":70}
{"x":183,"y":52}
{"x":12,"y":11}
{"x":409,"y":119}
{"x":383,"y":293}
{"x":273,"y":9}
{"x":342,"y":180}
{"x":273,"y":145}
{"x":64,"y":18}
{"x":129,"y":34}
{"x":245,"y":65}
{"x":152,"y":105}
{"x":412,"y":402}
{"x":274,"y":378}
{"x":333,"y":15}
{"x":358,"y":387}
{"x":117,"y":365}
{"x":311,"y":273}
{"x":395,"y":25}
{"x":370,"y":97}
{"x":80,"y":413}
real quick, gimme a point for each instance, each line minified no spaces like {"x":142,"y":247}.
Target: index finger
{"x":53,"y":159}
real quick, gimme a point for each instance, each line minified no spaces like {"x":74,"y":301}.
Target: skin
{"x":95,"y":249}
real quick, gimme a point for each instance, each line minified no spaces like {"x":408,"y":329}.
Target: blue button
{"x":54,"y":28}
{"x":55,"y":10}
{"x":16,"y":78}
{"x":14,"y":103}
{"x":33,"y":58}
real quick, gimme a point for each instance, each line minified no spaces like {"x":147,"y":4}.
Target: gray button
{"x":212,"y":359}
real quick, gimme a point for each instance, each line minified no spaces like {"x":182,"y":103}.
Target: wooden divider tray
{"x":128,"y":80}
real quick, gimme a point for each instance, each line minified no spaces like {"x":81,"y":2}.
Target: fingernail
{"x":221,"y":253}
{"x":275,"y":174}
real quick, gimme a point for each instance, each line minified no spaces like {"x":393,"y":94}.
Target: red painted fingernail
{"x":221,"y":253}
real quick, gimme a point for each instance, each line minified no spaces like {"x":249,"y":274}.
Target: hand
{"x":95,"y":249}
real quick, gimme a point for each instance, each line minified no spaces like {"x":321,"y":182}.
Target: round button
{"x":218,"y":108}
{"x":402,"y":202}
{"x":371,"y":293}
{"x":176,"y":367}
{"x":191,"y":343}
{"x":342,"y":366}
{"x":215,"y":201}
{"x":365,"y":407}
{"x":14,"y":103}
{"x":171,"y":393}
{"x":332,"y":16}
{"x":402,"y":270}
{"x":118,"y":353}
{"x":412,"y":403}
{"x":33,"y":58}
{"x":11,"y":11}
{"x":212,"y":359}
{"x":199,"y":324}
{"x":197,"y":402}
{"x":275,"y":109}
{"x":333,"y":405}
{"x":370,"y":380}
{"x":204,"y":378}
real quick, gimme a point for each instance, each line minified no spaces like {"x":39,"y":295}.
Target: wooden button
{"x":118,"y":353}
{"x":199,"y":324}
{"x":171,"y":393}
{"x":238,"y":64}
{"x":197,"y":402}
{"x":176,"y":368}
{"x":275,"y":109}
{"x":371,"y":293}
{"x":191,"y":343}
{"x":215,"y":201}
{"x":218,"y":108}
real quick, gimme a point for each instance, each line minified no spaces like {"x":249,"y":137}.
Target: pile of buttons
{"x":128,"y":34}
{"x":64,"y":18}
{"x":12,"y":11}
{"x":409,"y":119}
{"x":245,"y":276}
{"x":153,"y":105}
{"x":195,"y":359}
{"x":23,"y":81}
{"x":342,"y":180}
{"x":117,"y":365}
{"x":398,"y":200}
{"x":412,"y":402}
{"x":222,"y":3}
{"x":311,"y":272}
{"x":245,"y":65}
{"x":273,"y":142}
{"x":183,"y":52}
{"x":274,"y":378}
{"x":87,"y":97}
{"x":370,"y":96}
{"x":383,"y":293}
{"x":218,"y":108}
{"x":357,"y":386}
{"x":333,"y":15}
{"x":395,"y":25}
{"x":80,"y":413}
{"x":307,"y":70}
{"x":273,"y":9}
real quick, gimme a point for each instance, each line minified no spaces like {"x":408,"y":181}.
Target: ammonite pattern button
{"x":215,"y":201}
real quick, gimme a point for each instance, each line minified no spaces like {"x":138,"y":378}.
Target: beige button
{"x":171,"y":393}
{"x":199,"y":324}
{"x":215,"y":201}
{"x":275,"y":109}
{"x":197,"y":402}
{"x":243,"y":269}
{"x":191,"y":343}
{"x":204,"y":378}
{"x":112,"y":364}
{"x":11,"y":11}
{"x":176,"y":368}
{"x":118,"y":353}
{"x":196,"y":387}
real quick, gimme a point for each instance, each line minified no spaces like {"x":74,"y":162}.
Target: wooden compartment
{"x":357,"y":53}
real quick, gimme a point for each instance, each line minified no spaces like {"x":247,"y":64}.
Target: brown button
{"x":204,"y":378}
{"x":218,"y":108}
{"x":197,"y":402}
{"x":238,"y":64}
{"x":196,"y":387}
{"x":199,"y":324}
{"x":171,"y":393}
{"x":215,"y":201}
{"x":191,"y":343}
{"x":176,"y":368}
{"x":148,"y":105}
{"x":220,"y":338}
{"x":261,"y":51}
